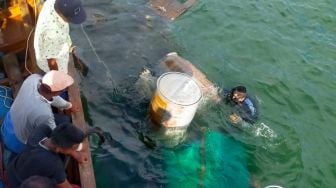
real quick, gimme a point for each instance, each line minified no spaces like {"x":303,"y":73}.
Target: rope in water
{"x":202,"y":159}
{"x":108,"y":73}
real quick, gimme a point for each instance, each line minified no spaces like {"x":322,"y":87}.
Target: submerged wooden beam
{"x":87,"y":177}
{"x":173,"y":62}
{"x":171,"y":9}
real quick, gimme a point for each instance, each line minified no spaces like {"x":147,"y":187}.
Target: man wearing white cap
{"x":32,"y":107}
{"x":52,"y":42}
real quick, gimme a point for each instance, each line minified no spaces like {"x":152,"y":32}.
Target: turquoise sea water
{"x":283,"y":51}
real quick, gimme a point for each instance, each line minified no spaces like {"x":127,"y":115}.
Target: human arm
{"x":45,"y":120}
{"x":65,"y":184}
{"x":52,"y":64}
{"x":81,"y":154}
{"x":60,"y":103}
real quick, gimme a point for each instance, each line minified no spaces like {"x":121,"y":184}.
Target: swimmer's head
{"x":239,"y":94}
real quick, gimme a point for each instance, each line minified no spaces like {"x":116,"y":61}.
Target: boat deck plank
{"x":86,"y":171}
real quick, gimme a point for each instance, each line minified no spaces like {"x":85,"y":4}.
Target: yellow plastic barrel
{"x":175,"y":101}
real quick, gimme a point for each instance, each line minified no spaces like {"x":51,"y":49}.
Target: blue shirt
{"x":248,"y":111}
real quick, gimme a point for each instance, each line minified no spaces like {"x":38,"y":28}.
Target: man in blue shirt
{"x":244,"y":107}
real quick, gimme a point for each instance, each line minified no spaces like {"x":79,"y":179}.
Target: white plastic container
{"x":175,"y":101}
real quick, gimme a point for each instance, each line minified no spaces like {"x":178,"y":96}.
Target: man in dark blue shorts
{"x":244,"y":106}
{"x":41,"y":155}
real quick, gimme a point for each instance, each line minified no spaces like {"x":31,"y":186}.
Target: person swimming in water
{"x":244,"y":106}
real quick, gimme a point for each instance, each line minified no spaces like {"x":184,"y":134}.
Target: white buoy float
{"x":176,"y":99}
{"x":175,"y":102}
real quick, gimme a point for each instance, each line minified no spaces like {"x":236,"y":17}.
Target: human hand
{"x":75,"y":186}
{"x":80,"y":156}
{"x":73,"y":49}
{"x":73,"y":108}
{"x":234,"y":118}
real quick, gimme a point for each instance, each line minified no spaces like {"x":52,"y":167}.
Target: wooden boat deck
{"x":16,"y":24}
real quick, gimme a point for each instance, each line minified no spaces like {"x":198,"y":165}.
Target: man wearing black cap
{"x":41,"y":155}
{"x":52,"y":41}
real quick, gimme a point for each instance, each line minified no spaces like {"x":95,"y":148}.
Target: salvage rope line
{"x":108,"y":73}
{"x":31,"y":32}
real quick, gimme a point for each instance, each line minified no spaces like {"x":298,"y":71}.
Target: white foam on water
{"x":262,"y":130}
{"x":268,"y":137}
{"x":145,"y":85}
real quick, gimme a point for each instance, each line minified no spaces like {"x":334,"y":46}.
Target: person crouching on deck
{"x":32,"y":107}
{"x":41,"y":155}
{"x":52,"y":42}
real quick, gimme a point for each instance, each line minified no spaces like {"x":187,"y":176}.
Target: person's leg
{"x":61,"y":118}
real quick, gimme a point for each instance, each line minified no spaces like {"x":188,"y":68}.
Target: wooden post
{"x":86,"y":171}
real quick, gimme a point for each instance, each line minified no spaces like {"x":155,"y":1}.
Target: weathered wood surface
{"x":86,"y":171}
{"x":173,"y":62}
{"x":171,"y":9}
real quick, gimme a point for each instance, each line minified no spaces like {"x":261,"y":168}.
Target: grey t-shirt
{"x":30,"y":109}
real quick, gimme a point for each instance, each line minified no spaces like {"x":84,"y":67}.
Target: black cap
{"x":72,"y":10}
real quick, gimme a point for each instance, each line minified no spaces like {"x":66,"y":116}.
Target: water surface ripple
{"x":283,"y":51}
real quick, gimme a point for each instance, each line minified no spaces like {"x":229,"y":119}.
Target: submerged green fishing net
{"x":182,"y":166}
{"x":223,"y":160}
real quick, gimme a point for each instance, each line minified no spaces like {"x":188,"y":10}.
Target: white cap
{"x":57,"y":80}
